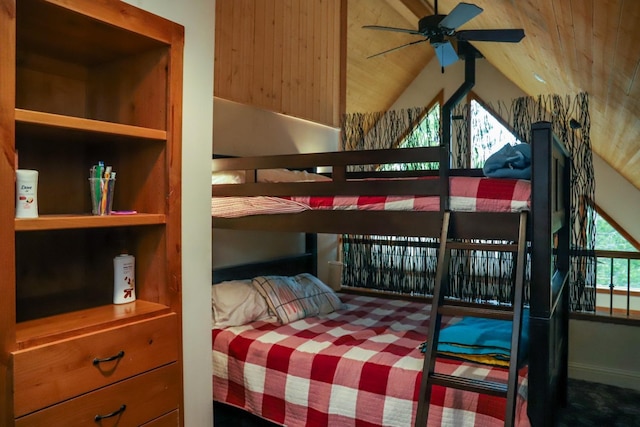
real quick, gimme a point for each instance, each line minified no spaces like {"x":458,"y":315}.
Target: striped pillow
{"x":296,"y":297}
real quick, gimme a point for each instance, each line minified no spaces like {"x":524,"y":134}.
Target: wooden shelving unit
{"x":61,"y":222}
{"x":82,"y":82}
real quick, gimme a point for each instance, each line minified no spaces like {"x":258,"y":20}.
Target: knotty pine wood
{"x":374,"y":84}
{"x":281,"y":55}
{"x":588,"y":46}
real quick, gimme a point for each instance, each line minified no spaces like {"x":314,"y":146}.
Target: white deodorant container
{"x":124,"y":282}
{"x":26,"y":193}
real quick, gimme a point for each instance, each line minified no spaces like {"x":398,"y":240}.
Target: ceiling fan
{"x":440,"y":30}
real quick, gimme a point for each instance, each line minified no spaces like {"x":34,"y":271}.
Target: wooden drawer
{"x":54,"y":372}
{"x":137,"y":400}
{"x":172,"y":419}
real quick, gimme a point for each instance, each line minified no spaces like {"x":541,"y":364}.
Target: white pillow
{"x":227,"y":177}
{"x":296,"y":297}
{"x":266,"y":175}
{"x":286,"y":175}
{"x":236,"y":303}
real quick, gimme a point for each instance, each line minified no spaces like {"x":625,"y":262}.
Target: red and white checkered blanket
{"x":359,"y":366}
{"x":468,"y":194}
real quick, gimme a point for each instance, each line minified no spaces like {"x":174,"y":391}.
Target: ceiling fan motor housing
{"x":429,"y":26}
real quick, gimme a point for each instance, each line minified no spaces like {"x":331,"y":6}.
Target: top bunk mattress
{"x":467,"y":194}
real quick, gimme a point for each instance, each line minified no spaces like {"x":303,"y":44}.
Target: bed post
{"x":548,"y":325}
{"x":311,"y":249}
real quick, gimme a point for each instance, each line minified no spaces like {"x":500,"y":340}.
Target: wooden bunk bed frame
{"x":548,"y":231}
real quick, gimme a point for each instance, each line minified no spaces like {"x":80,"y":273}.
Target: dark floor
{"x":599,"y":405}
{"x":590,"y":405}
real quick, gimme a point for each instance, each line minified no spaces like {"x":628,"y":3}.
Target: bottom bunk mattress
{"x":358,"y":366}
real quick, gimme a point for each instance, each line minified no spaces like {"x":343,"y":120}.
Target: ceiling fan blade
{"x":445,"y":53}
{"x":396,"y":48}
{"x":460,"y":15}
{"x":399,"y":30}
{"x":507,"y":36}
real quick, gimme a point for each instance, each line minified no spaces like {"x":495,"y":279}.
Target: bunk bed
{"x":547,"y":231}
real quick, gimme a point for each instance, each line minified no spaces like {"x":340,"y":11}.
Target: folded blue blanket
{"x":483,"y":340}
{"x":511,"y":161}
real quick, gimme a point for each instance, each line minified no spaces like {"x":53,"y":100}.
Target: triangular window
{"x":608,"y":238}
{"x":488,"y":133}
{"x":425,"y":133}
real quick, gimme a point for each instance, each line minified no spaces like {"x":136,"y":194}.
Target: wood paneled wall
{"x":285,"y":56}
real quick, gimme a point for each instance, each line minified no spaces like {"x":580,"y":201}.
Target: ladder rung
{"x":470,"y":384}
{"x":509,"y":247}
{"x":489,"y":313}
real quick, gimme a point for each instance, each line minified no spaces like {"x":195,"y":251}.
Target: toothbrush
{"x":105,"y":190}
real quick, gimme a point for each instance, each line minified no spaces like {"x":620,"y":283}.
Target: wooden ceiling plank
{"x":565,"y":28}
{"x":419,"y":8}
{"x":628,"y":54}
{"x":582,"y":11}
{"x":387,"y":75}
{"x":410,"y":10}
{"x":605,"y":17}
{"x":627,"y":107}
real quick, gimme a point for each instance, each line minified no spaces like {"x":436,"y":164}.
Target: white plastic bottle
{"x":124,"y":279}
{"x":26,"y":193}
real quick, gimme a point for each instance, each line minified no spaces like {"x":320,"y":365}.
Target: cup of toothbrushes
{"x":101,"y":195}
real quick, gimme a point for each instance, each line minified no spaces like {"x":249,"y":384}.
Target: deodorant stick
{"x":26,"y":193}
{"x":124,"y":282}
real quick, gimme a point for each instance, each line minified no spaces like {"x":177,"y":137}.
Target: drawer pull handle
{"x":98,"y":418}
{"x":120,"y":355}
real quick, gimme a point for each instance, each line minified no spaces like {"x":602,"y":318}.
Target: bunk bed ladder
{"x":441,"y":306}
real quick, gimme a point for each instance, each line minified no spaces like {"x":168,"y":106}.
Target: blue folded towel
{"x":511,"y":161}
{"x":483,"y":340}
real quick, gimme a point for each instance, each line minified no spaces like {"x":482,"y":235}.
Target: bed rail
{"x":342,"y":181}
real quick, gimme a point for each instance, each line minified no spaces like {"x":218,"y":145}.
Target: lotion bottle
{"x":26,"y":193}
{"x":124,"y":282}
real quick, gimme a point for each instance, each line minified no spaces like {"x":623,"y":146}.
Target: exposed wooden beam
{"x":415,"y":9}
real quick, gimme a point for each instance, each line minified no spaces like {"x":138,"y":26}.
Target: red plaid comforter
{"x":468,"y":194}
{"x":359,"y":366}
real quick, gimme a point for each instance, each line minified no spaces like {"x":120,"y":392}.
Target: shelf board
{"x":87,"y":125}
{"x":61,"y":326}
{"x":63,"y":222}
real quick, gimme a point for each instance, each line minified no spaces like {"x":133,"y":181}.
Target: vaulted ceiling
{"x":575,"y":46}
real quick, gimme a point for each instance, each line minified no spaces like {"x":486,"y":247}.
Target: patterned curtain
{"x":407,"y":265}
